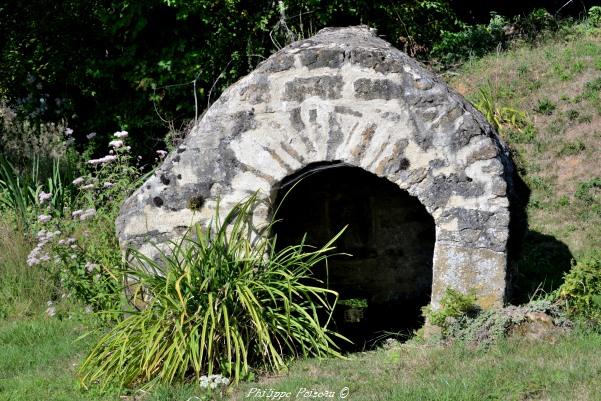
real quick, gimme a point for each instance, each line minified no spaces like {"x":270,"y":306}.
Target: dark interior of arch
{"x":390,"y":236}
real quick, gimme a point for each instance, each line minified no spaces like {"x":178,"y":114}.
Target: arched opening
{"x":390,"y":236}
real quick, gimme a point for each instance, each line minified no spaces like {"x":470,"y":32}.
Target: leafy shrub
{"x":453,"y":304}
{"x":16,"y":193}
{"x":221,"y":301}
{"x":594,"y":15}
{"x":359,"y":303}
{"x":581,"y":291}
{"x":470,"y":41}
{"x":535,"y":24}
{"x":124,"y":58}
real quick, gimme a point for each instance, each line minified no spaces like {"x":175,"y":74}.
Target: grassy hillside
{"x":558,"y":85}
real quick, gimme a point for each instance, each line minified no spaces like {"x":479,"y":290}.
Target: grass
{"x":51,"y":357}
{"x":23,"y":290}
{"x":39,"y":361}
{"x":510,"y":370}
{"x":568,"y":369}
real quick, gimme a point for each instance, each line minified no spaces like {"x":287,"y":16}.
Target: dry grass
{"x":24,"y":290}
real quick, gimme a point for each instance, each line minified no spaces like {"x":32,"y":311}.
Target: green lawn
{"x":39,"y":359}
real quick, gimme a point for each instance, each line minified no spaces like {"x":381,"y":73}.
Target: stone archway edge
{"x":343,"y":95}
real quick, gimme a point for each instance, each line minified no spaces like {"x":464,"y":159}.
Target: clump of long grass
{"x":222,"y":300}
{"x":23,"y":290}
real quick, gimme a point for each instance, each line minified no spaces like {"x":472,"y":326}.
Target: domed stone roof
{"x":343,"y":96}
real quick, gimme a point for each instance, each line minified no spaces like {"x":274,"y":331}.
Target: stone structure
{"x":346,"y":97}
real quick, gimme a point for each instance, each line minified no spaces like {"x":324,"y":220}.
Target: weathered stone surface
{"x":344,"y":95}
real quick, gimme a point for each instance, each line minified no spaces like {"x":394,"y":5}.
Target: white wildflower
{"x":88,"y":186}
{"x":77,"y":213}
{"x":108,"y":159}
{"x":78,"y":181}
{"x":51,"y":311}
{"x":120,"y":134}
{"x":44,"y":218}
{"x":107,"y":184}
{"x":68,"y":132}
{"x":90,"y":267}
{"x":44,"y":196}
{"x":102,"y":160}
{"x":87,"y":214}
{"x":162,"y":153}
{"x":32,"y":260}
{"x":116,"y":144}
{"x":91,"y":135}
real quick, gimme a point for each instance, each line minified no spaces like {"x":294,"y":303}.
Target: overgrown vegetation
{"x":454,"y":304}
{"x":580,"y":293}
{"x":153,"y":66}
{"x":216,"y":304}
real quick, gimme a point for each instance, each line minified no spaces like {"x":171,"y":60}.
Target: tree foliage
{"x":105,"y":65}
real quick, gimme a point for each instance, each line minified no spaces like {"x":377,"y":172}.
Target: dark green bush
{"x":108,"y":65}
{"x":470,"y":41}
{"x":581,"y":291}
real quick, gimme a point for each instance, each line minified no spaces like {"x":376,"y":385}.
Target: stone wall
{"x":343,"y":95}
